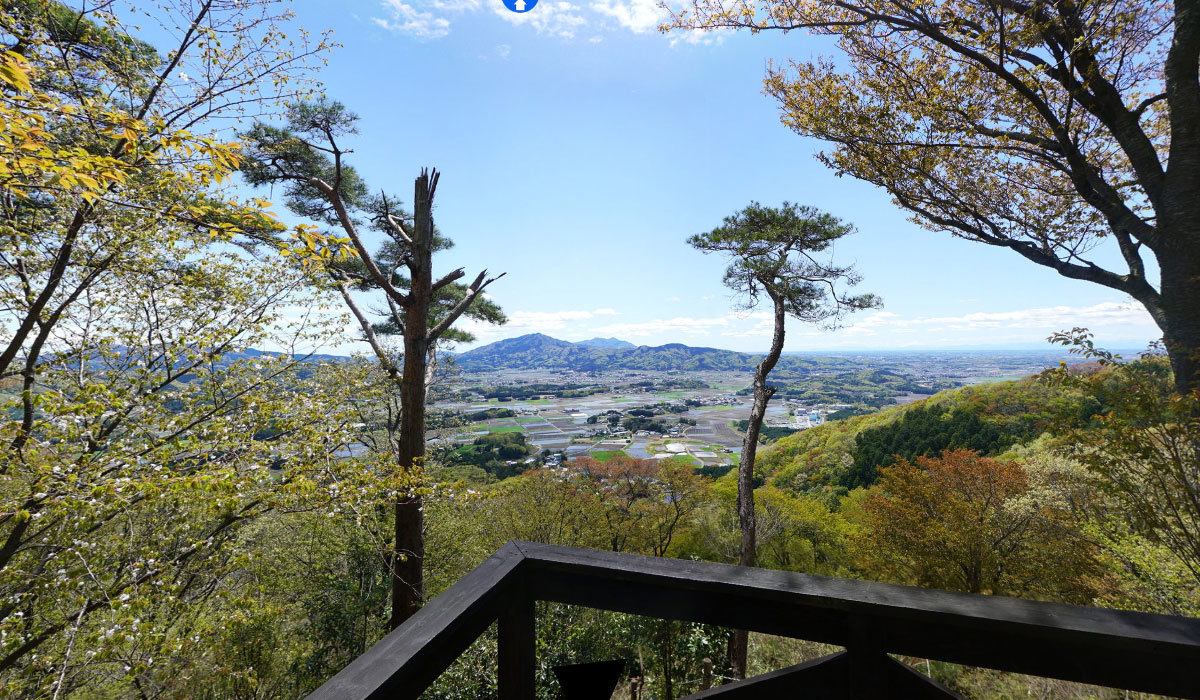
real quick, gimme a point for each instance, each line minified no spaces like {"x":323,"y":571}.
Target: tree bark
{"x":1181,"y":307}
{"x":408,"y":553}
{"x":1177,"y":213}
{"x":748,"y":551}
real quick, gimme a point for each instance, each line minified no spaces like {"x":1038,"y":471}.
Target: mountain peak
{"x":522,"y":343}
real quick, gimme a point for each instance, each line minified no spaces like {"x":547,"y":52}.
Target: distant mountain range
{"x":228,"y":357}
{"x":315,"y":358}
{"x":538,"y":351}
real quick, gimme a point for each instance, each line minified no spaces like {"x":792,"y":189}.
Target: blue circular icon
{"x":520,"y":5}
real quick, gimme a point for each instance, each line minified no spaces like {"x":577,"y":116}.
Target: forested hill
{"x":538,"y":351}
{"x":991,"y":419}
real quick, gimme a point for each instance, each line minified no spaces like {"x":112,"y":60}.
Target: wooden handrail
{"x":1128,"y":650}
{"x":409,"y":658}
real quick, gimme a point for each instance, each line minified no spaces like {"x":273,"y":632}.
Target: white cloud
{"x":1044,"y":318}
{"x":407,"y":19}
{"x":431,"y":19}
{"x":680,"y":325}
{"x":425,"y":20}
{"x":553,"y":17}
{"x":547,"y":319}
{"x":503,"y":51}
{"x":1119,"y":320}
{"x":698,"y":37}
{"x":639,"y":16}
{"x":522,"y":322}
{"x":457,"y":5}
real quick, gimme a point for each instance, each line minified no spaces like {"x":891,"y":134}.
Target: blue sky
{"x":579,"y":148}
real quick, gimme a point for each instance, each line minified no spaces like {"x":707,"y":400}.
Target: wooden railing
{"x":1134,"y":651}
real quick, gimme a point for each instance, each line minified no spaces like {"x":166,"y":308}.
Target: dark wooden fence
{"x":1134,"y":651}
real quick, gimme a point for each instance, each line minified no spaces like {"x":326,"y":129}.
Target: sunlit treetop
{"x":786,"y":253}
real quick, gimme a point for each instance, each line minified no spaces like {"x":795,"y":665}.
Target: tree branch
{"x":348,"y":226}
{"x":381,"y":354}
{"x":451,"y":277}
{"x":473,"y":291}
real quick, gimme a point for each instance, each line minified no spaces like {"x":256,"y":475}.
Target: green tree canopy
{"x":922,"y":432}
{"x":775,"y":252}
{"x":1064,"y":132}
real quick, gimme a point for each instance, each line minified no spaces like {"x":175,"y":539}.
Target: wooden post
{"x":516,"y":652}
{"x":868,"y":662}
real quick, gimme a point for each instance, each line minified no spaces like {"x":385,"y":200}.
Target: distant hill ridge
{"x":540,"y":351}
{"x":606,"y":343}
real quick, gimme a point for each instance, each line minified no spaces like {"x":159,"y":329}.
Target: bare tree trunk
{"x":409,"y":547}
{"x":1181,"y":308}
{"x":748,"y":551}
{"x":1177,"y":214}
